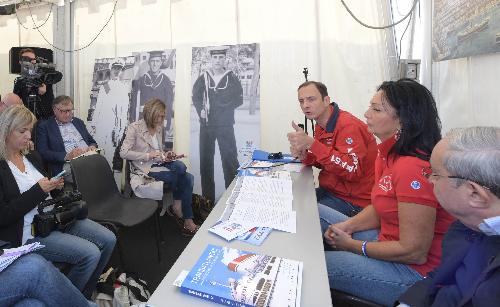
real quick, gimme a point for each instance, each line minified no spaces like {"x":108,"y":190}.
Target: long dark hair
{"x":418,"y":116}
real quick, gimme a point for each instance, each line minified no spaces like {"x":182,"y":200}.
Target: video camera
{"x":35,"y":74}
{"x":62,"y":212}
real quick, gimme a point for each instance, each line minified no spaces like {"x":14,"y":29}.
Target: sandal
{"x":189,"y":233}
{"x":178,"y":220}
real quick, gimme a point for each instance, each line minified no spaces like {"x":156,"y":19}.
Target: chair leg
{"x":158,"y":234}
{"x":120,"y":253}
{"x":116,"y":231}
{"x":158,"y":216}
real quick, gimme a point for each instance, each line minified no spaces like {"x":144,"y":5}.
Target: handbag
{"x":201,"y":208}
{"x":119,"y":289}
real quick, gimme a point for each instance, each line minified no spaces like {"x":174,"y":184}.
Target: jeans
{"x":326,"y":198}
{"x":86,"y":245}
{"x":181,"y":183}
{"x":32,"y":281}
{"x":371,"y":279}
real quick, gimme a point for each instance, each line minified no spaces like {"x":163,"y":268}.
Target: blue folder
{"x":264,"y":156}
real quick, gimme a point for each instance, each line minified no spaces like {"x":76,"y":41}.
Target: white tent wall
{"x":320,"y":35}
{"x":467,"y":91}
{"x":293,"y":34}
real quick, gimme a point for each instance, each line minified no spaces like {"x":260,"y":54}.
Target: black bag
{"x":201,"y":208}
{"x":110,"y":280}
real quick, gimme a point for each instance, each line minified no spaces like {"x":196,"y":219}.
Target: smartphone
{"x":58,"y":175}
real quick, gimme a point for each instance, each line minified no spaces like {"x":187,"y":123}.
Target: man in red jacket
{"x":342,"y":148}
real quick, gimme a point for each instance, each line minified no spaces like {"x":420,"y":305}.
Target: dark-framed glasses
{"x":65,"y":111}
{"x":428,"y":173}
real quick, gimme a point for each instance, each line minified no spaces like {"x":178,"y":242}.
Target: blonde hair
{"x":12,"y":118}
{"x":152,"y":109}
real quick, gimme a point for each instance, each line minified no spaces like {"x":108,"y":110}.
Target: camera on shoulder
{"x":41,"y":72}
{"x":58,"y":213}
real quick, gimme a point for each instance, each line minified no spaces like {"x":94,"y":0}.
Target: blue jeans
{"x":181,"y":183}
{"x":326,"y":198}
{"x":372,"y":279}
{"x":86,"y":245}
{"x":32,"y":281}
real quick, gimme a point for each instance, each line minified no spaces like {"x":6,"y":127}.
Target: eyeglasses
{"x":65,"y":111}
{"x":428,"y":173}
{"x":27,"y":59}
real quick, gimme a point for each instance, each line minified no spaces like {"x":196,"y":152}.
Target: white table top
{"x":306,"y":245}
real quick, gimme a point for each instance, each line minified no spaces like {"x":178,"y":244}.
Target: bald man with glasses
{"x":63,"y":137}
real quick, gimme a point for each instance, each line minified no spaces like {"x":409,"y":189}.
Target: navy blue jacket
{"x":50,"y":145}
{"x":223,"y":98}
{"x":469,"y":273}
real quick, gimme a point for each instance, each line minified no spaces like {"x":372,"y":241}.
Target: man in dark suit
{"x":466,"y":176}
{"x":62,"y":137}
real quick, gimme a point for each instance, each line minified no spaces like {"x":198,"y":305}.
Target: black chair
{"x":340,"y":298}
{"x":128,"y":191}
{"x":94,"y":178}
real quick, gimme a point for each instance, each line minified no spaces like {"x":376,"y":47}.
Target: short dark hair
{"x":417,"y":112}
{"x":320,"y":86}
{"x":24,"y":50}
{"x":60,"y":99}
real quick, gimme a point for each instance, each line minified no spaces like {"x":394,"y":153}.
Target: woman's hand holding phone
{"x":170,"y":156}
{"x":48,"y":185}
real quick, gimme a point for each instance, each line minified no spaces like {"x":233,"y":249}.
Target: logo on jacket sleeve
{"x":415,"y":184}
{"x":349,"y":141}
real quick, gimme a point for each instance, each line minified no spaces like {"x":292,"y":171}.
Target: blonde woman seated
{"x":143,"y":146}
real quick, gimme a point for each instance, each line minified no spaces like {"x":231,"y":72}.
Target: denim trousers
{"x":86,"y":245}
{"x":181,"y":183}
{"x":375,"y":280}
{"x":33,"y":281}
{"x":328,"y":199}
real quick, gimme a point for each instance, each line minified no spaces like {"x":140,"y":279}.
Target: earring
{"x":399,"y":131}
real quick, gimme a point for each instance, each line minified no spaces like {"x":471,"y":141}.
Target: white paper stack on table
{"x":258,"y":202}
{"x":11,"y":254}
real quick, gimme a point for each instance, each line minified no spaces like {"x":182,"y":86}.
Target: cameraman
{"x":42,"y":107}
{"x":85,"y":244}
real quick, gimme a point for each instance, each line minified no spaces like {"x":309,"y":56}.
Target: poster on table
{"x":225,"y":114}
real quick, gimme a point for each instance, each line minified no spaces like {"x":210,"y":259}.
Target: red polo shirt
{"x":399,"y":179}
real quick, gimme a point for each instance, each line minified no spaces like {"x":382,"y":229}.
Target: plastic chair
{"x":94,"y":178}
{"x":127,"y":190}
{"x":340,"y":298}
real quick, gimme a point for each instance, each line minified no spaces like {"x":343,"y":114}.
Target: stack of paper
{"x":240,"y":278}
{"x":255,"y":207}
{"x":11,"y":254}
{"x":263,"y":202}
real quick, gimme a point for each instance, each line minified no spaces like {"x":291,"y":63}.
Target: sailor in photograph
{"x":153,"y":84}
{"x":216,"y":94}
